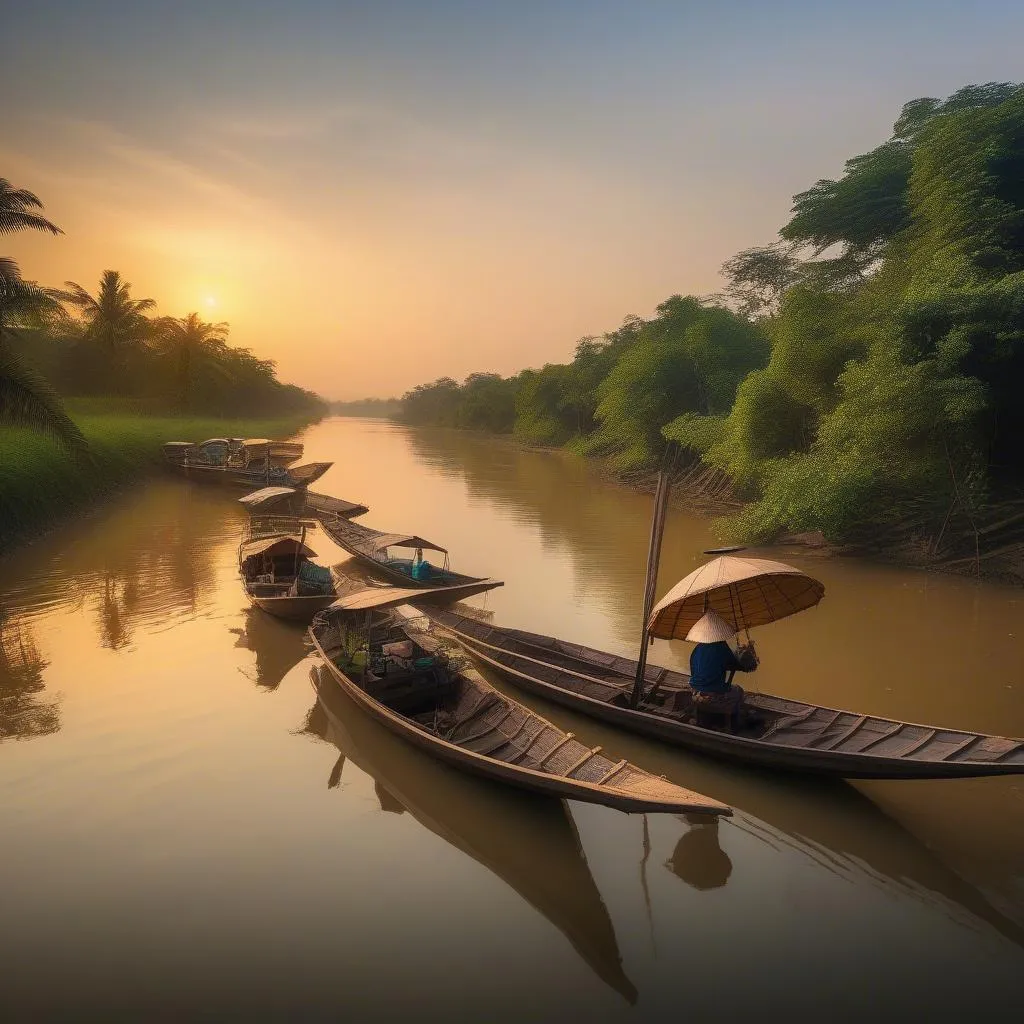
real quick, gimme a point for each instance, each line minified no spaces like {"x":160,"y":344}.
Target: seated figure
{"x":713,"y":663}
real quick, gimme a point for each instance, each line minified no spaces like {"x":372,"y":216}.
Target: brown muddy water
{"x":188,"y":831}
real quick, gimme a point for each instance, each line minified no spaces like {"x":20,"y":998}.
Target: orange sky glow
{"x":373,"y":210}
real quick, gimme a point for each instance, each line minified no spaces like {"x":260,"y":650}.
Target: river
{"x":185,"y":830}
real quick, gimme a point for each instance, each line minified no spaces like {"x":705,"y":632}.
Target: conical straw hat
{"x":710,"y":628}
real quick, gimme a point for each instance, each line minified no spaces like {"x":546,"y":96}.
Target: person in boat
{"x":713,"y":662}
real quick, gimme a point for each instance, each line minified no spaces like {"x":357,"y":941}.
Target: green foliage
{"x":882,"y":381}
{"x":869,"y":205}
{"x":40,"y":481}
{"x":892,"y":388}
{"x":487,"y":402}
{"x":542,"y":407}
{"x":688,"y":359}
{"x":26,"y":398}
{"x":383,"y":408}
{"x":433,"y":404}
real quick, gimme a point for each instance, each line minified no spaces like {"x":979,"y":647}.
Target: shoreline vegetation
{"x":856,"y":385}
{"x":140,"y":380}
{"x":42,"y":484}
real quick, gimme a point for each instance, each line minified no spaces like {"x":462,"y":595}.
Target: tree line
{"x":864,"y":370}
{"x":70,"y":341}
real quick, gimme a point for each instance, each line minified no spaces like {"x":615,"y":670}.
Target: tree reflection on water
{"x":23,"y":714}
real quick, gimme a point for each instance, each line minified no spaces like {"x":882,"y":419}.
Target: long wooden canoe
{"x":785,"y":734}
{"x":528,"y":843}
{"x":370,"y":548}
{"x":441,"y":704}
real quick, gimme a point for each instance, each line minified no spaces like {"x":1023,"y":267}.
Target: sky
{"x":377,"y":194}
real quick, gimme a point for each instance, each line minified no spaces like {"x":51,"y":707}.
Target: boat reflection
{"x":529,"y":842}
{"x":831,"y":824}
{"x":278,"y":645}
{"x":22,"y":713}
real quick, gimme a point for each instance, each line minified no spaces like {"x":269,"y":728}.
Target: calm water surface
{"x":191,"y":826}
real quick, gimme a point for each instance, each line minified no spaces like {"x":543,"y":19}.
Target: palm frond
{"x":26,"y":400}
{"x":25,"y":303}
{"x":15,"y":207}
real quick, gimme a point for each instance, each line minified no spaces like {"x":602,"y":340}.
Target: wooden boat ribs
{"x":785,"y":734}
{"x":443,"y":705}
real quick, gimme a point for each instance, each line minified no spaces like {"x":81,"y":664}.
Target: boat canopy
{"x":266,"y":496}
{"x":367,"y":598}
{"x":174,"y":445}
{"x":213,"y":440}
{"x":288,"y":543}
{"x":404,"y":540}
{"x":255,"y":442}
{"x":746,"y":592}
{"x":332,"y":506}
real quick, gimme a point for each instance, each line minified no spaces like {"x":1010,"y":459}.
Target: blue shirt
{"x":710,"y":665}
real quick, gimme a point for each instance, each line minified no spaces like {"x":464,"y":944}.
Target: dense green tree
{"x":894,"y":392}
{"x":689,"y":359}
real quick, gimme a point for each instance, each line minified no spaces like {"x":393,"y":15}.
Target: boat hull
{"x":294,"y":609}
{"x":511,"y":774}
{"x":748,"y":750}
{"x":229,"y":476}
{"x":348,"y":536}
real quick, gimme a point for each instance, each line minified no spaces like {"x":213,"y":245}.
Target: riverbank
{"x":989,"y":546}
{"x":40,"y":483}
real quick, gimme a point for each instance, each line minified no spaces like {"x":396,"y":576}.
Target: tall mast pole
{"x":650,"y":586}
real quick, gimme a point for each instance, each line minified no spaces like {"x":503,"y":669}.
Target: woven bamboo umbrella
{"x":746,"y":592}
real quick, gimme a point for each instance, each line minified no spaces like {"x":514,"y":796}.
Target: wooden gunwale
{"x":760,"y":751}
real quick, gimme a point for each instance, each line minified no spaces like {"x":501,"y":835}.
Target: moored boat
{"x":376,"y":551}
{"x":246,"y":463}
{"x":780,"y":733}
{"x":401,"y":672}
{"x":297,"y":501}
{"x":278,"y":572}
{"x":530,"y":844}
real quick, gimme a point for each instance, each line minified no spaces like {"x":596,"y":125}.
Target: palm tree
{"x":114,"y":321}
{"x":26,"y":400}
{"x":193,"y":346}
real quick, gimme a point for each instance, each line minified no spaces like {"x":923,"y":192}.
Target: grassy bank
{"x":40,"y":483}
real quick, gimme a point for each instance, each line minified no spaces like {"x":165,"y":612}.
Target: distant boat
{"x":278,"y":572}
{"x":299,"y":501}
{"x":245,"y":463}
{"x":375,"y":551}
{"x":788,"y":734}
{"x":398,"y":670}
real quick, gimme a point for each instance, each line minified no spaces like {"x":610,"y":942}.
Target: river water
{"x":187,"y":830}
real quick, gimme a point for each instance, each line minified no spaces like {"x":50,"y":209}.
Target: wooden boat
{"x":247,"y":463}
{"x":297,"y":501}
{"x":372,"y":549}
{"x":277,"y":572}
{"x":399,"y":671}
{"x":530,"y":844}
{"x":783,"y":733}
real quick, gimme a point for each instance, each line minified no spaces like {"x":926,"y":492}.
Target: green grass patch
{"x":40,"y":482}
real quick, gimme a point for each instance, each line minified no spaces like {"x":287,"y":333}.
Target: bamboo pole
{"x":653,"y":558}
